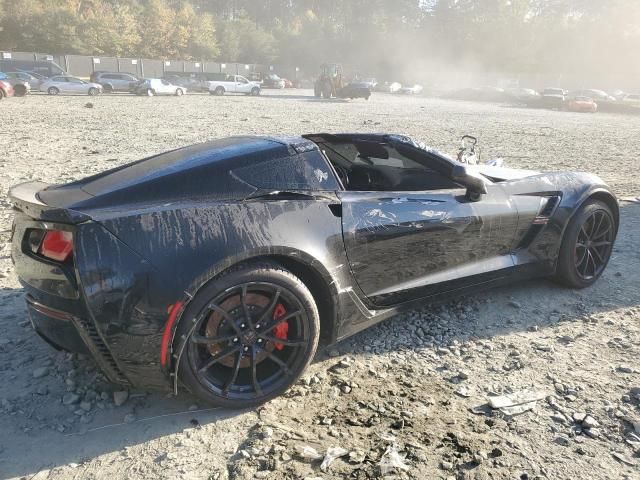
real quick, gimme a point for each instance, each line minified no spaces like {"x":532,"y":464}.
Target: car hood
{"x":502,"y":173}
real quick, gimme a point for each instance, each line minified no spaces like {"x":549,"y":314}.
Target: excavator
{"x":329,"y":81}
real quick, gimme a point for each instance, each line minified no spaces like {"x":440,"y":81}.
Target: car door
{"x":166,"y":88}
{"x":60,"y":83}
{"x":242,"y":85}
{"x":75,"y":85}
{"x":405,"y":245}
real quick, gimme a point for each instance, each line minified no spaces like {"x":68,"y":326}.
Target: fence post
{"x":141,"y":62}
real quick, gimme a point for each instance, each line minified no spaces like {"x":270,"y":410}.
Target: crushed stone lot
{"x":407,"y":399}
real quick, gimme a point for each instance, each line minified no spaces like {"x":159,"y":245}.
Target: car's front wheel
{"x":179,"y":92}
{"x":587,"y":245}
{"x":247,"y":336}
{"x":93,"y":92}
{"x":255,"y":91}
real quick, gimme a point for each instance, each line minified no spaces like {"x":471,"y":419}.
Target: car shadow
{"x":30,"y":418}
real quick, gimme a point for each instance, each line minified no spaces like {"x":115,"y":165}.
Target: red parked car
{"x":6,"y":90}
{"x":582,"y":104}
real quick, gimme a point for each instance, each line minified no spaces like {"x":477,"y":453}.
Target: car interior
{"x":377,"y":167}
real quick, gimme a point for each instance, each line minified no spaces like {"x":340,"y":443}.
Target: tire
{"x":53,"y":91}
{"x":20,"y":90}
{"x":585,"y":249}
{"x":179,"y":92}
{"x":93,"y":92}
{"x":255,"y":92}
{"x":150,"y":92}
{"x":219,"y":91}
{"x":326,"y":91}
{"x":2,"y":94}
{"x":250,"y":366}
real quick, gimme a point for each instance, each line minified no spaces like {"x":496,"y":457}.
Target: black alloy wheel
{"x":587,"y":245}
{"x":251,"y":340}
{"x":593,"y":245}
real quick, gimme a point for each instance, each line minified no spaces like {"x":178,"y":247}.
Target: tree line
{"x":375,"y":35}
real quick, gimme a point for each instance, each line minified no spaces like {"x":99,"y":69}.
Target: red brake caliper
{"x":282,"y":329}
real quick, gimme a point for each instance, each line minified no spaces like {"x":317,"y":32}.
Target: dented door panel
{"x":402,"y":245}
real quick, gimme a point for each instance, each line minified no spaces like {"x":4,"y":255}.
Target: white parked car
{"x":233,"y":84}
{"x":411,"y":89}
{"x":158,"y":86}
{"x":66,"y":84}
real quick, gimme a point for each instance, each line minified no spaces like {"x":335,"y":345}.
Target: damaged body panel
{"x":114,"y":264}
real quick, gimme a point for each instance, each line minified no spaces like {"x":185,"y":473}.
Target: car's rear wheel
{"x":587,"y":245}
{"x":53,"y":91}
{"x":219,"y":91}
{"x":247,"y":336}
{"x":2,"y":94}
{"x":20,"y":90}
{"x":150,"y":92}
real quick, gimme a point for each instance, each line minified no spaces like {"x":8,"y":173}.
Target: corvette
{"x":222,"y":266}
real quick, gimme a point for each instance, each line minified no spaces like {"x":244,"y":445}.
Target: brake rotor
{"x":218,"y":325}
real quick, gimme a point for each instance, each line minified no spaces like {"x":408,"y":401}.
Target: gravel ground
{"x":405,"y":399}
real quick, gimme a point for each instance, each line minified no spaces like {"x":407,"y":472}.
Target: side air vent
{"x":548,"y":209}
{"x":540,"y":221}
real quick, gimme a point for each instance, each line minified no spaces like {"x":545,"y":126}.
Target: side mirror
{"x":473,"y":181}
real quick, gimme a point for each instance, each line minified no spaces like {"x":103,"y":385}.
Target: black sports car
{"x":221,"y":266}
{"x":355,"y":90}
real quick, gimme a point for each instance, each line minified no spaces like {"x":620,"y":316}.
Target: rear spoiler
{"x":24,"y":197}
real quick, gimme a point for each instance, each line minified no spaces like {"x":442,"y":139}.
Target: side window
{"x":305,"y":171}
{"x":164,"y":82}
{"x":395,"y":173}
{"x":242,"y":79}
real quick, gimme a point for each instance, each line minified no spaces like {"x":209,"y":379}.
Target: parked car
{"x":233,"y":84}
{"x":21,"y":87}
{"x":6,"y":89}
{"x":354,"y":90}
{"x":522,"y":95}
{"x":581,"y":104}
{"x":594,"y":94}
{"x":221,"y":266}
{"x":414,"y":89}
{"x":190,"y":82}
{"x":388,"y":87}
{"x":158,"y":86}
{"x":116,"y":82}
{"x":273,"y":81}
{"x":42,"y":67}
{"x":372,"y":83}
{"x":632,"y":98}
{"x":72,"y":85}
{"x":553,"y":98}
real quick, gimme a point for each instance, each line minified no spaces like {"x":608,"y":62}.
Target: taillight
{"x":57,"y":245}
